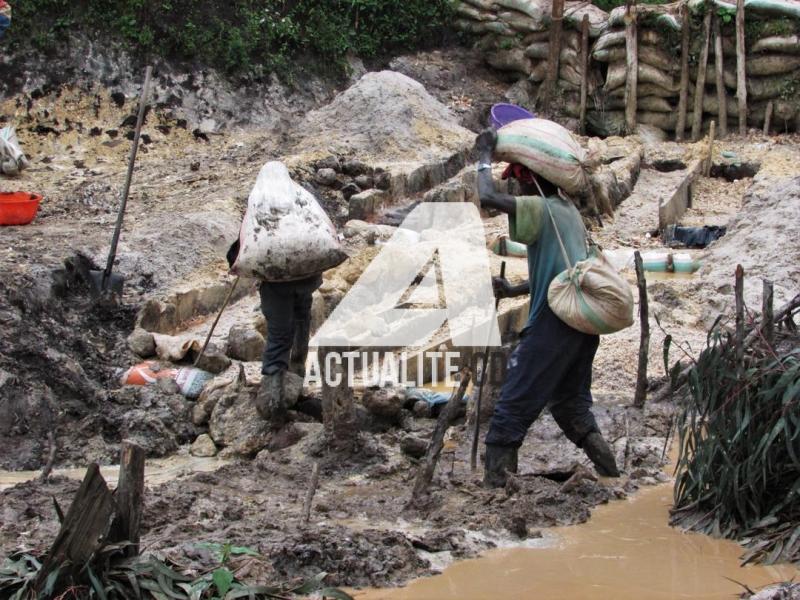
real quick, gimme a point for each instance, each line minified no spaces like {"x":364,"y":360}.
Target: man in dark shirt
{"x":552,"y":365}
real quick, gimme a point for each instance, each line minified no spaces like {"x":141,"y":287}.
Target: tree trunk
{"x":741,"y":69}
{"x":710,"y":159}
{"x":584,"y":71}
{"x":722,"y":99}
{"x":700,"y":88}
{"x":632,"y":76}
{"x":553,"y":55}
{"x":129,"y":497}
{"x":683,"y":100}
{"x":644,"y":343}
{"x":768,"y":117}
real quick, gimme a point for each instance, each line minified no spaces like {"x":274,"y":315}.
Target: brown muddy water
{"x":157,"y":471}
{"x":627,"y":551}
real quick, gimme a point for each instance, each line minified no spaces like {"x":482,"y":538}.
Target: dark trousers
{"x":287,"y":308}
{"x":551,"y":367}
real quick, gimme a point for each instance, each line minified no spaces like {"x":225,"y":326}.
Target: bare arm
{"x":489,"y":197}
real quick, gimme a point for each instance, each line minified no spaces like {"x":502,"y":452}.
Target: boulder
{"x":236,"y":424}
{"x":413,"y":446}
{"x":203,"y":447}
{"x":385,"y":403}
{"x":213,"y":360}
{"x":142,"y":343}
{"x":366,"y":204}
{"x":245,"y":344}
{"x":326,"y":177}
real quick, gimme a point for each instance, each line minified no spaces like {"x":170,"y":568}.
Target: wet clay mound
{"x":384,"y":118}
{"x":763,"y":239}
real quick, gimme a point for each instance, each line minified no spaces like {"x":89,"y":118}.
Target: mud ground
{"x":60,"y":353}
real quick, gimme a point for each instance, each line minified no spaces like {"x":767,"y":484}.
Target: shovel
{"x":105,"y":280}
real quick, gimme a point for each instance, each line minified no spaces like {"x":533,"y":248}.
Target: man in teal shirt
{"x":552,"y":365}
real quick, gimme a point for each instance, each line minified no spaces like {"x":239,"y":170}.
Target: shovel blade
{"x":100,"y":283}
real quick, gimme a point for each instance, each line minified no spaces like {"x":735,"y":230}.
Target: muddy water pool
{"x":626,"y":551}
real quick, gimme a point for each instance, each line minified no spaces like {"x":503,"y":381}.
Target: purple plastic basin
{"x":503,"y":114}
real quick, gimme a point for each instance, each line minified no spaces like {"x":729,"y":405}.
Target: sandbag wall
{"x":514,"y":34}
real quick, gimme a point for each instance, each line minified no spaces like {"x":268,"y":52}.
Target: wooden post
{"x":130,"y":496}
{"x":446,"y":418}
{"x":310,"y":492}
{"x":710,"y":160}
{"x":644,"y":343}
{"x":767,"y":314}
{"x":338,"y":411}
{"x":584,"y":71}
{"x":722,"y":97}
{"x":84,"y":529}
{"x":683,"y":99}
{"x":739,"y":292}
{"x":632,"y":75}
{"x":700,"y":87}
{"x":741,"y":69}
{"x":768,"y":117}
{"x":553,"y":55}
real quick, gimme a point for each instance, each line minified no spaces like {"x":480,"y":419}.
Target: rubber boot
{"x":599,"y":452}
{"x":499,"y":462}
{"x":297,"y":363}
{"x":270,"y":401}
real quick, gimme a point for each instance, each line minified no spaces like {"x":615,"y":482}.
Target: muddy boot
{"x":500,"y":460}
{"x":297,"y":363}
{"x":599,"y":452}
{"x":270,"y":401}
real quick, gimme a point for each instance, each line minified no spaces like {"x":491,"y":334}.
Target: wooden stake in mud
{"x":768,"y":117}
{"x":767,"y":316}
{"x":310,"y":493}
{"x":553,"y":55}
{"x":446,"y":418}
{"x":632,"y":75}
{"x":710,"y":159}
{"x":338,"y":412}
{"x":739,"y":292}
{"x":130,"y":496}
{"x":683,"y":99}
{"x":700,"y":87}
{"x":584,"y":71}
{"x":722,"y":98}
{"x":741,"y":68}
{"x":644,"y":343}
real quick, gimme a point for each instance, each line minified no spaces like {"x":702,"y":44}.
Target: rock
{"x":365,"y":181}
{"x":142,"y":343}
{"x":285,"y":437}
{"x":203,"y":447}
{"x":326,"y":177}
{"x":329,"y":162}
{"x":383,"y":180}
{"x":168,"y":385}
{"x":354,"y":167}
{"x":350,"y":190}
{"x":213,"y":360}
{"x":422,"y":410}
{"x":366,"y":204}
{"x":260,"y":324}
{"x":245,"y":344}
{"x":355,"y":67}
{"x":413,"y":446}
{"x":385,"y":403}
{"x":236,"y":424}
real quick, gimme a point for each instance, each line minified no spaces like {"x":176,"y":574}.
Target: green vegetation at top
{"x":249,"y":37}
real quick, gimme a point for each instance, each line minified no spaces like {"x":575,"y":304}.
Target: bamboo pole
{"x":310,"y":493}
{"x":700,"y":87}
{"x":553,"y":55}
{"x":632,"y":75}
{"x":741,"y":70}
{"x":683,"y":100}
{"x":644,"y":343}
{"x":739,"y":293}
{"x":710,"y":159}
{"x":768,"y":117}
{"x":584,"y":71}
{"x":722,"y":99}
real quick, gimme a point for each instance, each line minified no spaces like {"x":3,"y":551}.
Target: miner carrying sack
{"x":575,"y":294}
{"x":286,"y":242}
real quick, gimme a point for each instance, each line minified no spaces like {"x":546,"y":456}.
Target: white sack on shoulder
{"x":286,"y":234}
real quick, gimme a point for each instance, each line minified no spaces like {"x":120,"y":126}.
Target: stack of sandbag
{"x":515,"y":38}
{"x":772,"y":62}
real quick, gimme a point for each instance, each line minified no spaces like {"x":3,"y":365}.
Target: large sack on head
{"x":547,"y":149}
{"x":285,"y":234}
{"x":786,"y":43}
{"x":592,"y":296}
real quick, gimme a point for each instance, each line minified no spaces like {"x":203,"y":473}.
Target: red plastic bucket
{"x":503,"y":114}
{"x":18,"y":208}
